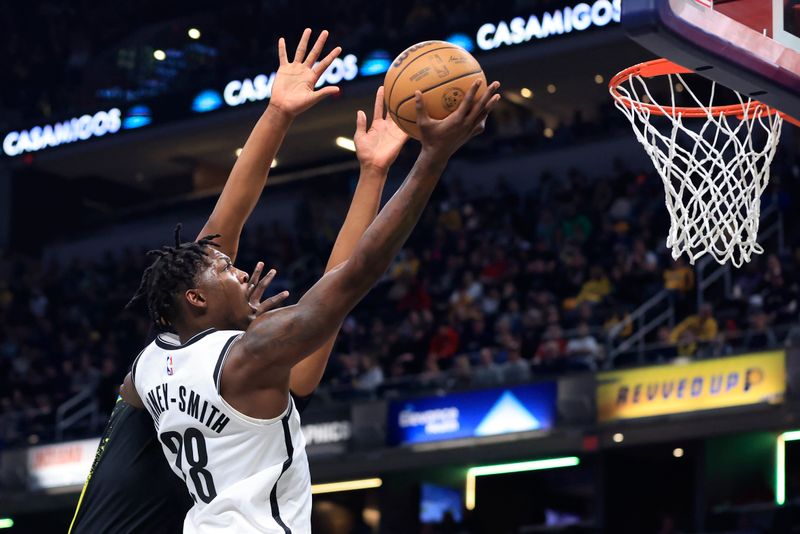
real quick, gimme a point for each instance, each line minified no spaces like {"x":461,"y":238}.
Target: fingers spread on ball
{"x":480,"y":106}
{"x":422,"y":113}
{"x":481,"y":119}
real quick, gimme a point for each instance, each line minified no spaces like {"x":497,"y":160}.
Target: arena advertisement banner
{"x":472,"y":414}
{"x":61,"y":465}
{"x":706,"y":385}
{"x":327,"y":432}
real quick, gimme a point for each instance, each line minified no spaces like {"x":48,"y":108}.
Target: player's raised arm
{"x":292,"y":93}
{"x":376,"y":149}
{"x":262,"y":360}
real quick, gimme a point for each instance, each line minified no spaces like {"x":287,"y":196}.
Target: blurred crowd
{"x":494,"y":286}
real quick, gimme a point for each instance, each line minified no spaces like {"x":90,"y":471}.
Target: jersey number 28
{"x":193,"y":445}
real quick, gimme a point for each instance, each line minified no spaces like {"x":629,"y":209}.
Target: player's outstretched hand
{"x":256,"y":287}
{"x":293,"y":89}
{"x":444,"y":137}
{"x":378,"y":146}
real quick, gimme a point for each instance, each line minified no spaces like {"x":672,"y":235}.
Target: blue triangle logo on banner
{"x":507,"y":415}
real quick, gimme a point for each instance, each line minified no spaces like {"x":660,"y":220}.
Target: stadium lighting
{"x":501,"y":469}
{"x":238,"y":152}
{"x":274,"y":163}
{"x":551,"y":88}
{"x":780,"y":465}
{"x":525,"y":92}
{"x":548,"y":133}
{"x":598,"y":79}
{"x":347,"y":485}
{"x":618,"y":437}
{"x":160,"y":55}
{"x":677,"y":453}
{"x":6,"y":522}
{"x":346,"y":143}
{"x":194,"y":33}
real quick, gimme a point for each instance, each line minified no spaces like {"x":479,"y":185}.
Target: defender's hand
{"x":256,"y":287}
{"x":378,"y":146}
{"x":293,"y":89}
{"x":443,"y":137}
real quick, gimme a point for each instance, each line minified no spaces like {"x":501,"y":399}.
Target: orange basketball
{"x":441,"y":70}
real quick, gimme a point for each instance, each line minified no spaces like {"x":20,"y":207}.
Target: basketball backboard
{"x":751,"y":46}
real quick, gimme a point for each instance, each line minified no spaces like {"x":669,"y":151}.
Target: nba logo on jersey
{"x":170,"y":370}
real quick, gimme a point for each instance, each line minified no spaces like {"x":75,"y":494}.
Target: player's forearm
{"x":391,"y":228}
{"x":320,"y":312}
{"x":247,"y":179}
{"x":307,"y":374}
{"x":295,"y":332}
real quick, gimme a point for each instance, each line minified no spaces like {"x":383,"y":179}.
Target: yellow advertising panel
{"x":706,"y":385}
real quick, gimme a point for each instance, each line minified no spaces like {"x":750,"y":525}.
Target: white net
{"x":714,"y":167}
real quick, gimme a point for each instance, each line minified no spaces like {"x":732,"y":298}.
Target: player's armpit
{"x":128,"y":393}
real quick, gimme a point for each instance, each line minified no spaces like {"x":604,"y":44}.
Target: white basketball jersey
{"x":244,"y":474}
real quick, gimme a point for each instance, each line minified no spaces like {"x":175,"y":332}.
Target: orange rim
{"x":663,"y":67}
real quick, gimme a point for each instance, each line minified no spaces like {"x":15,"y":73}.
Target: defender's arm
{"x":376,"y":148}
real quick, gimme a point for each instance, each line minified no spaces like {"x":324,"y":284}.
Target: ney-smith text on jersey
{"x":243,"y":474}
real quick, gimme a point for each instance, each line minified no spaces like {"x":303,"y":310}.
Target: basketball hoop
{"x":713,"y":160}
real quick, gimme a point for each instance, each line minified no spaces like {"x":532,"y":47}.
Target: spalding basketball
{"x":443,"y":72}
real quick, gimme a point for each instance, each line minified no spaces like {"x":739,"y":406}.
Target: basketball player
{"x":131,"y":488}
{"x":220,"y":398}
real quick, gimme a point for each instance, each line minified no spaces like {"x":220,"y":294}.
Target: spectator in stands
{"x":664,"y":348}
{"x":702,"y":328}
{"x":476,"y":336}
{"x":406,"y":265}
{"x":516,"y":368}
{"x":779,"y":299}
{"x":461,"y":373}
{"x":679,"y":277}
{"x":687,"y":344}
{"x":575,"y":225}
{"x":348,"y":371}
{"x":584,"y":347}
{"x":371,"y":376}
{"x":487,"y":373}
{"x":444,"y":344}
{"x":760,"y":336}
{"x":432,"y":376}
{"x":490,"y":302}
{"x":596,"y":288}
{"x":719,"y":347}
{"x":616,"y":317}
{"x":86,"y":377}
{"x":552,"y":347}
{"x":497,"y":268}
{"x":468,"y":292}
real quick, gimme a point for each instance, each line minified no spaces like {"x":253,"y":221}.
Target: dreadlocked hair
{"x":173,"y":271}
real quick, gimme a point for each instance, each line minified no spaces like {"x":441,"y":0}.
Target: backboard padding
{"x":717,"y":45}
